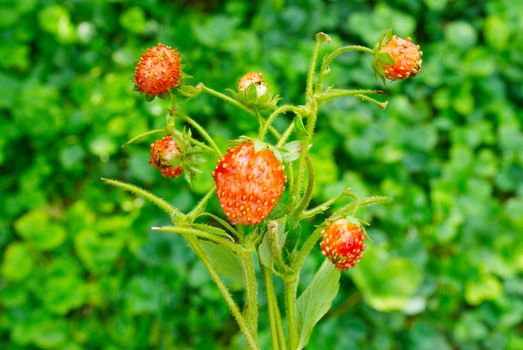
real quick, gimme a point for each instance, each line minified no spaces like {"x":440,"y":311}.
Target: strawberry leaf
{"x":226,"y":263}
{"x":316,"y":300}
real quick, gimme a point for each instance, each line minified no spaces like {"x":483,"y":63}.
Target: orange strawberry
{"x":248,"y":183}
{"x":342,"y":243}
{"x":158,"y":70}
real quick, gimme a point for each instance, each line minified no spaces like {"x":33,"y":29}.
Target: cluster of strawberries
{"x":249,"y":183}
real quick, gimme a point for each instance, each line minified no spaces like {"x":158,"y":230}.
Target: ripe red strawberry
{"x":406,"y":56}
{"x":342,"y":243}
{"x":166,"y":157}
{"x":158,"y":70}
{"x":248,"y":183}
{"x":251,"y":78}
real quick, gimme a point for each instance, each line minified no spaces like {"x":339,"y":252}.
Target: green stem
{"x":193,"y":243}
{"x":290,"y":285}
{"x":332,"y":94}
{"x":142,"y":135}
{"x":225,"y":98}
{"x":190,"y":232}
{"x":251,"y":307}
{"x":310,"y":186}
{"x":359,"y":204}
{"x":170,"y":118}
{"x":234,"y":102}
{"x":312,"y":67}
{"x":280,"y":110}
{"x":330,"y":57}
{"x":200,"y":207}
{"x":278,"y":337}
{"x":224,"y":223}
{"x":159,"y":202}
{"x":202,"y":132}
{"x":286,"y":135}
{"x":323,"y":206}
{"x":307,"y":247}
{"x":381,"y":105}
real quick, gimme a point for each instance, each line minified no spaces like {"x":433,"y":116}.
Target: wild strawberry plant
{"x":264,"y":186}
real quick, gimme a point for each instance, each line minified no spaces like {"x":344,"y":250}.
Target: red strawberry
{"x":406,"y":56}
{"x":251,"y":78}
{"x":158,"y":70}
{"x":248,"y":183}
{"x":342,"y":243}
{"x":166,"y":157}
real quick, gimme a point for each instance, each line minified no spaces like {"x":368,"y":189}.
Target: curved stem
{"x":330,"y":57}
{"x":280,"y":110}
{"x":193,"y":243}
{"x":142,"y":135}
{"x":202,"y":132}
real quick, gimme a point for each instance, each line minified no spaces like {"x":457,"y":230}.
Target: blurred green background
{"x":79,"y":267}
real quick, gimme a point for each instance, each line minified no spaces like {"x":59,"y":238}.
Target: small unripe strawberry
{"x":406,"y":56}
{"x":342,"y":243}
{"x":166,"y":157}
{"x":252,"y":78}
{"x":248,"y":183}
{"x":158,"y":70}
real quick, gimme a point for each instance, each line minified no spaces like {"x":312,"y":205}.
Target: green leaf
{"x":486,"y":287}
{"x":97,"y":252}
{"x":388,"y":283}
{"x":316,"y":300}
{"x":226,"y":263}
{"x":17,"y":263}
{"x":37,"y":228}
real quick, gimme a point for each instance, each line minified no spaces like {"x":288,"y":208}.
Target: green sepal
{"x":149,"y":98}
{"x":382,"y":58}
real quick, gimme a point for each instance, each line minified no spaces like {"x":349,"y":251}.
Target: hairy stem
{"x":159,"y":202}
{"x":290,"y":285}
